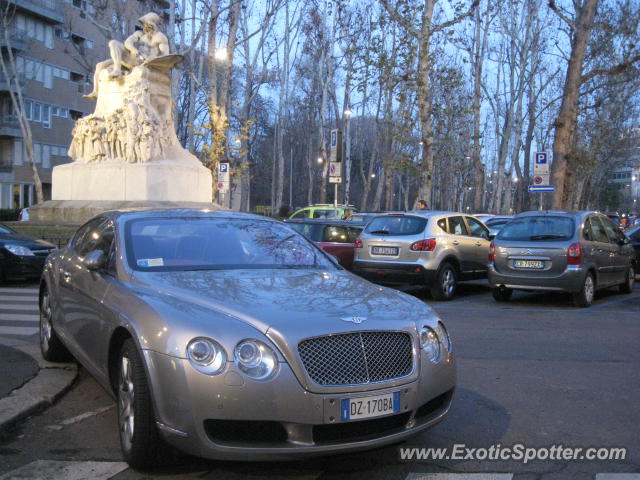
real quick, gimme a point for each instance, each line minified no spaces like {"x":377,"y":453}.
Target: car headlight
{"x":206,"y":355}
{"x":256,"y":359}
{"x":19,"y":250}
{"x":430,"y":344}
{"x":443,"y":336}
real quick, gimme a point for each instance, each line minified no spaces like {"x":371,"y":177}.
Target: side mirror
{"x":94,"y":260}
{"x":492,"y":235}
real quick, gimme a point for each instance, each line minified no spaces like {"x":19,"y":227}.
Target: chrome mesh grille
{"x":357,"y":358}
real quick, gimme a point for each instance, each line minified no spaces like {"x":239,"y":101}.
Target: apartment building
{"x":55,"y":44}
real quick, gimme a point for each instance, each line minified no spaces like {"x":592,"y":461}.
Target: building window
{"x":28,"y":109}
{"x":46,"y":116}
{"x":37,"y":112}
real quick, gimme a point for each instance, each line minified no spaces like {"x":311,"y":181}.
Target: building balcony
{"x":9,"y":127}
{"x":5,"y":87}
{"x":17,"y":40}
{"x":45,"y":9}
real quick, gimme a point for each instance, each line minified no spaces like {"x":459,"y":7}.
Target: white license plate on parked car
{"x":528,"y":264}
{"x":368,"y":407}
{"x":384,"y":250}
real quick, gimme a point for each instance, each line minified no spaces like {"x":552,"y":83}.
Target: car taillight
{"x":426,"y":245}
{"x":574,"y":254}
{"x":357,"y":243}
{"x":492,"y":252}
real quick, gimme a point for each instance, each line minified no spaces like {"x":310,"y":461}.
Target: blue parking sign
{"x":224,"y":167}
{"x":334,"y":138}
{"x":541,"y":158}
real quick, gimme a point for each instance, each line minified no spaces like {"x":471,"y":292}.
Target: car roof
{"x":214,"y":212}
{"x":556,"y":213}
{"x":423,"y":213}
{"x":322,"y":221}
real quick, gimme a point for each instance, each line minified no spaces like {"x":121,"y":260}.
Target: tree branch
{"x":457,"y":19}
{"x":618,"y":69}
{"x":563,"y":17}
{"x":400,"y":19}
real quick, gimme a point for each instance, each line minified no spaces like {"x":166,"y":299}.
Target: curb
{"x":51,"y":381}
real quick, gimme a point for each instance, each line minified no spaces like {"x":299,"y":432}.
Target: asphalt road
{"x":534,"y":371}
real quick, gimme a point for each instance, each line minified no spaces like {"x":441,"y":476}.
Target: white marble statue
{"x":133,"y":121}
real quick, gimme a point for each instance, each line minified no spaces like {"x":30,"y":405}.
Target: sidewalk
{"x":28,"y":383}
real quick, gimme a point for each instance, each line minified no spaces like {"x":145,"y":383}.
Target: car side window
{"x":301,"y":214}
{"x":456,"y":226}
{"x":613,"y":232}
{"x":597,"y":230}
{"x":99,"y":236}
{"x":78,"y":239}
{"x":336,"y":234}
{"x":477,"y":229}
{"x":442,"y":223}
{"x":354,"y":233}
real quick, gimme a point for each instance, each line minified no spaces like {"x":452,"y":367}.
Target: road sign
{"x":335,"y":169}
{"x":541,"y":163}
{"x":335,"y":179}
{"x":541,"y":180}
{"x":542,"y":188}
{"x":223,"y":187}
{"x":335,"y":146}
{"x":223,"y":172}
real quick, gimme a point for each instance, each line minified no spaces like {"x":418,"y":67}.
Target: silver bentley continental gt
{"x":231,"y":336}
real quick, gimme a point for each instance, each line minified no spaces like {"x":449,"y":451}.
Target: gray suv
{"x":436,"y":249}
{"x":575,"y":252}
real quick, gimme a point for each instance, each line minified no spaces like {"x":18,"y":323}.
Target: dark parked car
{"x":21,"y":257}
{"x":575,"y":252}
{"x":336,"y":237}
{"x":634,"y":237}
{"x":230,"y":336}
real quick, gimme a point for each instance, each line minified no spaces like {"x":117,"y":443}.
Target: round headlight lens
{"x":443,"y":335}
{"x":256,"y":359}
{"x":206,"y":355}
{"x":430,"y":344}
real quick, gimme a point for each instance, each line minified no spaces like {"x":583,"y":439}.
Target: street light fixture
{"x":319,"y":159}
{"x":373,"y":175}
{"x":221,"y":54}
{"x":347,"y":112}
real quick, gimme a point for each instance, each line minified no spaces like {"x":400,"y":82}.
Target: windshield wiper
{"x":548,"y":236}
{"x":380,"y":232}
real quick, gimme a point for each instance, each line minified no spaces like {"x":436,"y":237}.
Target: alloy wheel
{"x":45,"y":321}
{"x":126,"y":403}
{"x":589,"y":289}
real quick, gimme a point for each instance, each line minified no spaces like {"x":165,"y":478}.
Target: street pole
{"x":291,"y":177}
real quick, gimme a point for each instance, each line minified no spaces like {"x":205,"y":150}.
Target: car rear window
{"x":538,"y":228}
{"x":313,"y":231}
{"x":324,"y":213}
{"x":396,"y":225}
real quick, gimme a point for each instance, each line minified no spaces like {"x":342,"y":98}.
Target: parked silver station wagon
{"x":436,"y":249}
{"x":575,"y":252}
{"x":231,"y":336}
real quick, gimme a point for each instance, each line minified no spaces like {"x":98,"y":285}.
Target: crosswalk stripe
{"x":15,"y":306}
{"x":459,"y":476}
{"x":55,"y":469}
{"x":18,"y":331}
{"x":617,"y":476}
{"x":19,"y":316}
{"x":30,"y":291}
{"x":18,"y":298}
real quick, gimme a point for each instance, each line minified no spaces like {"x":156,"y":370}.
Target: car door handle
{"x":455,"y":242}
{"x":478,"y":244}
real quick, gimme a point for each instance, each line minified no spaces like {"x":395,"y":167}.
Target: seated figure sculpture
{"x":140,"y":47}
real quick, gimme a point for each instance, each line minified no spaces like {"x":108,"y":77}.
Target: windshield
{"x":4,"y":229}
{"x":313,"y":231}
{"x":163,"y":244}
{"x":538,"y":228}
{"x":396,"y":225}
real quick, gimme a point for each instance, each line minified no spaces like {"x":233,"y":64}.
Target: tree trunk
{"x":565,"y":124}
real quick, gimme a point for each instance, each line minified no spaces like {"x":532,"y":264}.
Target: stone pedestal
{"x":156,"y":181}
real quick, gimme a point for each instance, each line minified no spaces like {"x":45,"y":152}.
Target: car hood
{"x":17,"y":239}
{"x":310,"y":301}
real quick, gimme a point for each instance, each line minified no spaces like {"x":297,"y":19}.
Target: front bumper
{"x":233,"y":417}
{"x":394,"y":273}
{"x":571,"y":280}
{"x":18,"y":267}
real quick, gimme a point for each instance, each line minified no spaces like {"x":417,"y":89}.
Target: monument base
{"x":77,"y":212}
{"x":157,"y":181}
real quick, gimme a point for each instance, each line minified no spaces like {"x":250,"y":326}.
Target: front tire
{"x":446,"y":282}
{"x":51,"y":347}
{"x":501,"y":294}
{"x":139,"y":438}
{"x":627,"y":286}
{"x":584,"y":298}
